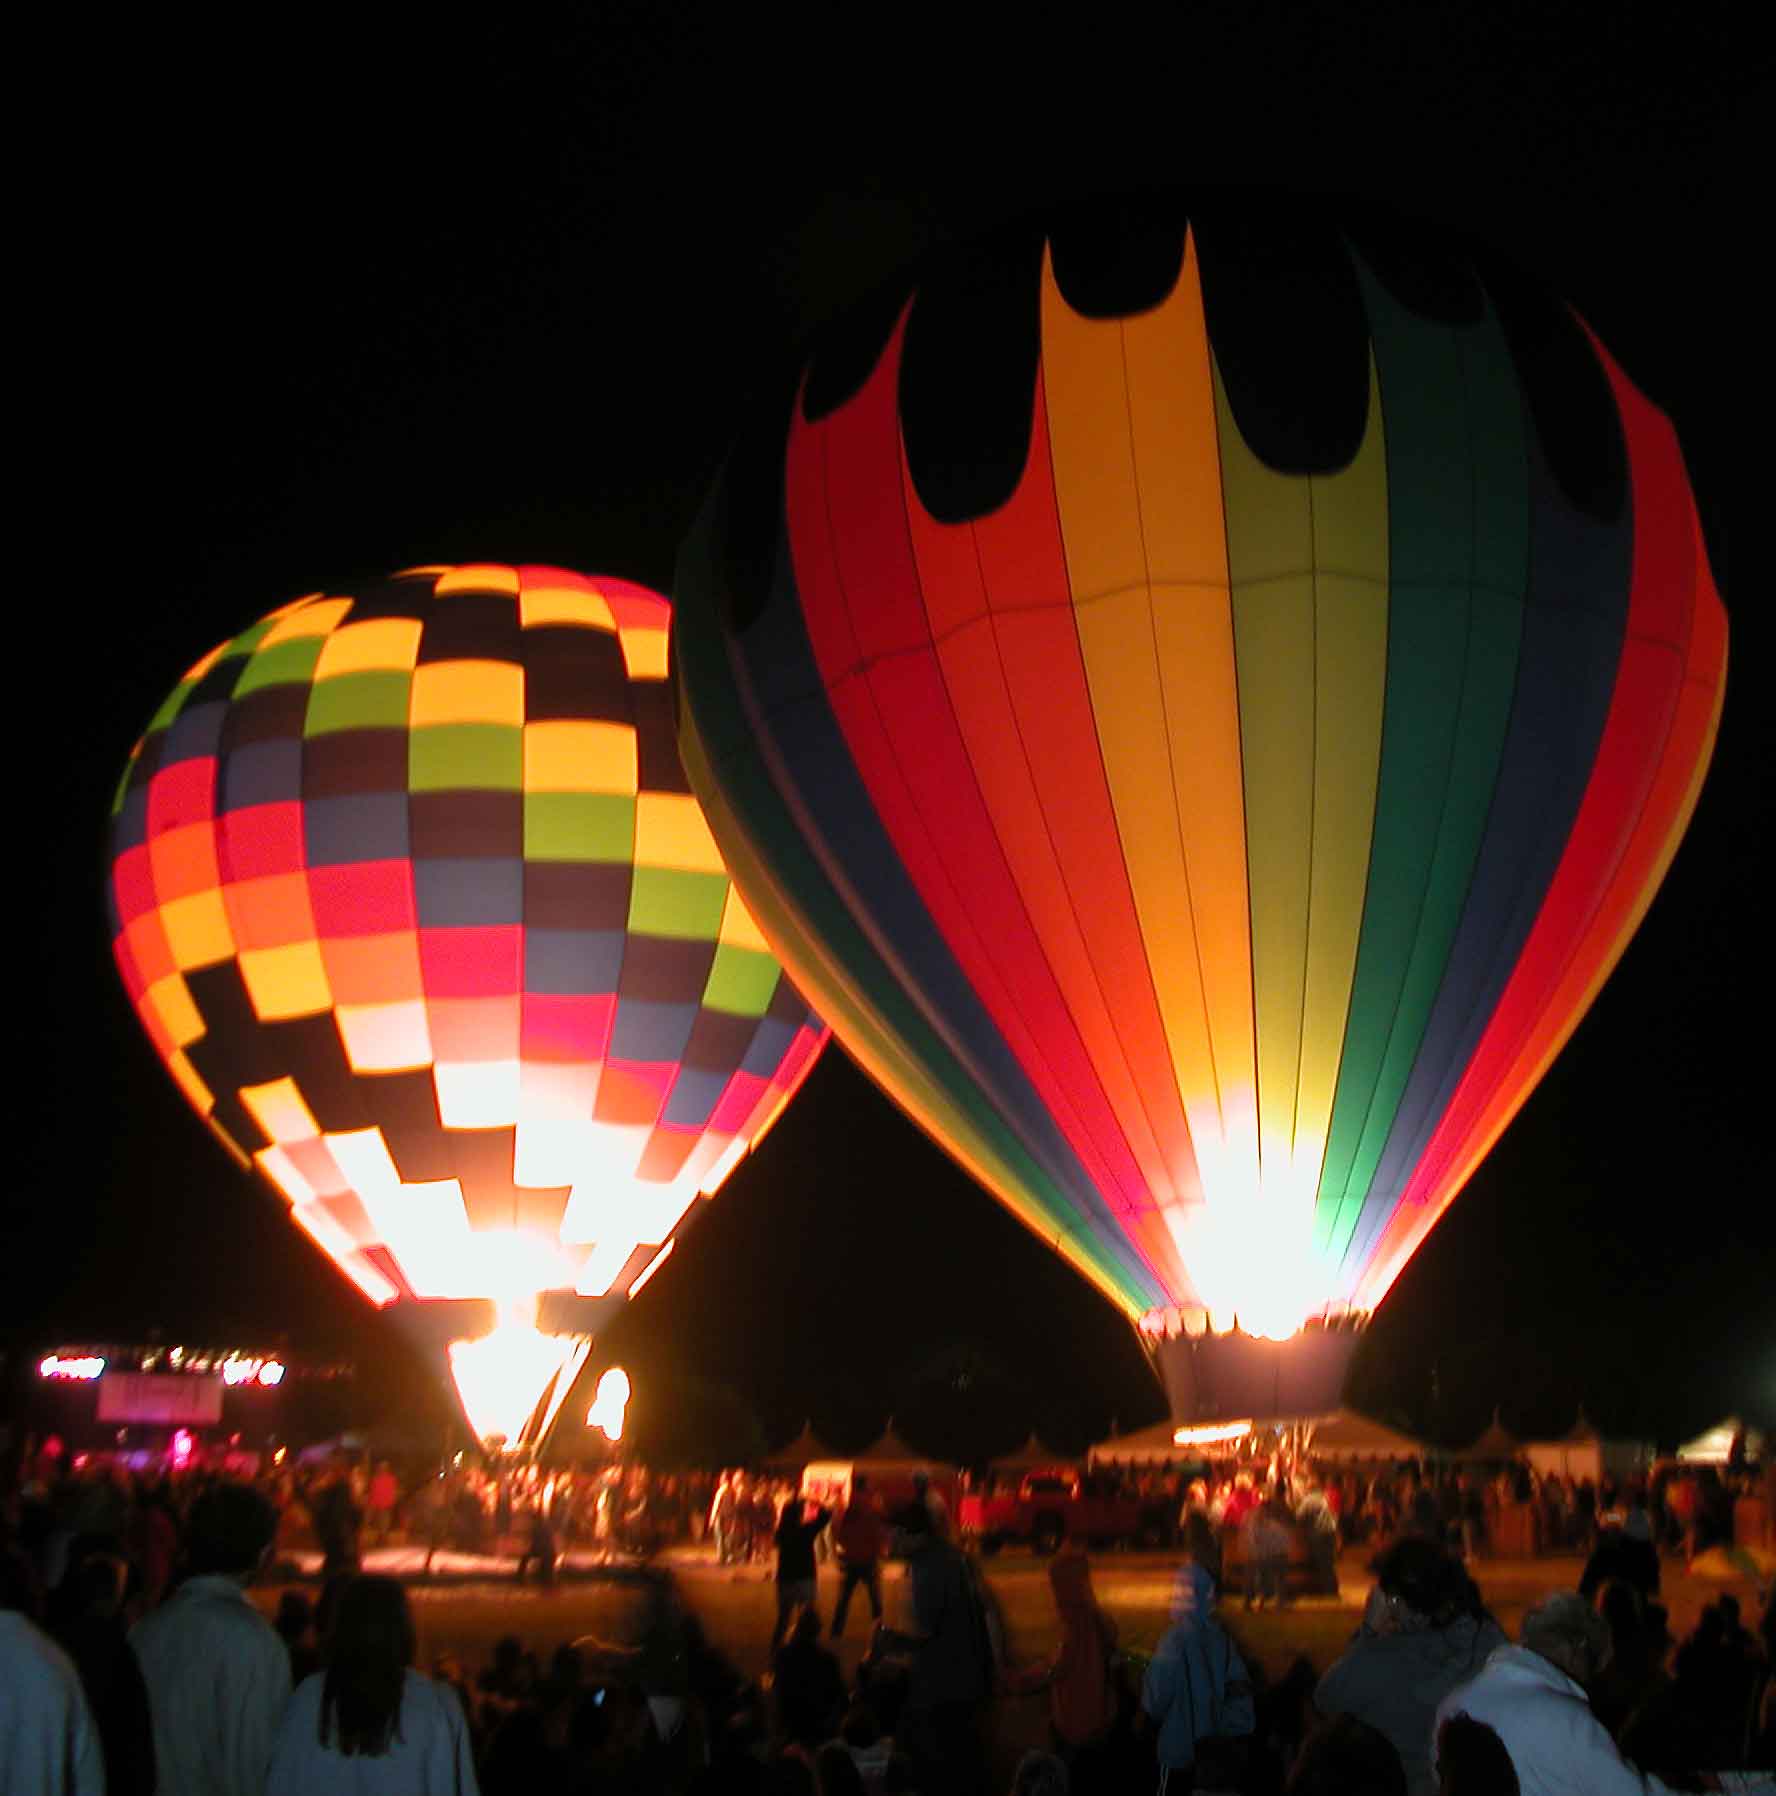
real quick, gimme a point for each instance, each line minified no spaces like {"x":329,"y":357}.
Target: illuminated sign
{"x":84,"y":1366}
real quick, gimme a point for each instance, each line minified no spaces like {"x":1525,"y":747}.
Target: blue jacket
{"x":1197,"y":1684}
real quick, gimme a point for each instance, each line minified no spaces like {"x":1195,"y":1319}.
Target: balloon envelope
{"x":1201,"y":698}
{"x":409,"y":891}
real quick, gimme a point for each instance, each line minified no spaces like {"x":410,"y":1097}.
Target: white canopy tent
{"x":1345,"y":1435}
{"x":1583,"y":1453}
{"x":1342,"y":1435}
{"x":1146,"y":1446}
{"x":1714,"y":1446}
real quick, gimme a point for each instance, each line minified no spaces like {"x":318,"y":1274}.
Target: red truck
{"x":1056,"y":1503}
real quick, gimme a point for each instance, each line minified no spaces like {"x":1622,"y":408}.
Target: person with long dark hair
{"x":368,"y":1723}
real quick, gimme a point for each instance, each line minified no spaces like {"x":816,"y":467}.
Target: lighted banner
{"x":411,"y":894}
{"x":1201,"y":696}
{"x":160,"y":1397}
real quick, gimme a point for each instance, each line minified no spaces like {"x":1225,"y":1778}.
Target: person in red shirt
{"x":859,"y":1537}
{"x":385,"y":1493}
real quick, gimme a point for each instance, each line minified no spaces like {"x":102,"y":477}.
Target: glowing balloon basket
{"x":1201,"y":696}
{"x":411,"y":894}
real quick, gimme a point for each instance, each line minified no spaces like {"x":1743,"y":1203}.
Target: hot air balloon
{"x":1200,"y":693}
{"x":410,"y":893}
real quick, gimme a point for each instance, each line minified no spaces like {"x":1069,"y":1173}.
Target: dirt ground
{"x":465,"y":1610}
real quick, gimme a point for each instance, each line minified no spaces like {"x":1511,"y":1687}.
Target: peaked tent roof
{"x":805,"y":1449}
{"x":1497,"y":1442}
{"x":1146,"y":1446}
{"x":890,"y":1453}
{"x":1032,"y":1453}
{"x":1346,"y":1435}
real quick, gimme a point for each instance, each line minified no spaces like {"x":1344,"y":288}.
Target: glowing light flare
{"x":271,"y":1374}
{"x":182,"y":1446}
{"x":609,"y":1405}
{"x":1253,"y":1264}
{"x":83,"y":1367}
{"x":501,"y":1377}
{"x":1209,"y":1433}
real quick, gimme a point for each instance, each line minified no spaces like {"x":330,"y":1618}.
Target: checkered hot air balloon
{"x":410,"y":892}
{"x":1201,"y":693}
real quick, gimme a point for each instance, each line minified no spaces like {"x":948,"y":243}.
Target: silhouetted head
{"x":1472,"y":1761}
{"x":1420,"y":1577}
{"x":230,"y":1531}
{"x":1039,"y":1774}
{"x":1347,"y":1757}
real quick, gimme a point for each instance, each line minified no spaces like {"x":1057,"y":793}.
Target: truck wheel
{"x":1048,"y":1534}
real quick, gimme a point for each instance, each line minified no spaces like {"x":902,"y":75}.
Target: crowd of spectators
{"x":132,"y":1657}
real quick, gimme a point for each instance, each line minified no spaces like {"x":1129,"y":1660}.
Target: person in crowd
{"x":87,"y":1623}
{"x":1266,"y":1535}
{"x":1202,"y":1545}
{"x":870,"y":1745}
{"x":380,"y":1500}
{"x":807,"y":1685}
{"x":541,"y":1548}
{"x":1533,"y":1697}
{"x":761,"y":1513}
{"x":723,"y":1508}
{"x":797,"y":1528}
{"x":1637,"y":1651}
{"x":1623,"y":1552}
{"x":950,"y":1675}
{"x":218,"y":1676}
{"x":1424,"y":1631}
{"x":296,"y":1627}
{"x":1717,"y":1680}
{"x":859,"y":1537}
{"x":1041,"y":1773}
{"x":1197,"y":1688}
{"x":369,"y":1723}
{"x":48,"y":1741}
{"x":1078,"y":1675}
{"x":337,"y":1518}
{"x":927,"y":1493}
{"x":1472,"y":1761}
{"x":1347,"y":1757}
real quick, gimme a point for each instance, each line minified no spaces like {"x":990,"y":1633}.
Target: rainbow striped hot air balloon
{"x":410,"y":893}
{"x":1201,"y":696}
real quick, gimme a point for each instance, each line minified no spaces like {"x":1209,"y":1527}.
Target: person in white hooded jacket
{"x":1532,"y":1696}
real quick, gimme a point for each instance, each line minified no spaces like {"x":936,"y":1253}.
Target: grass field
{"x":466,"y":1615}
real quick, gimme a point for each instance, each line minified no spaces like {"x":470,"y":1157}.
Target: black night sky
{"x":310,"y":309}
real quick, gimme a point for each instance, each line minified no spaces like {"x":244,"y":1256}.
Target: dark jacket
{"x":795,"y":1541}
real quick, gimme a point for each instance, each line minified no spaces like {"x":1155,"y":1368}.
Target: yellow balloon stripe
{"x":1308,"y":565}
